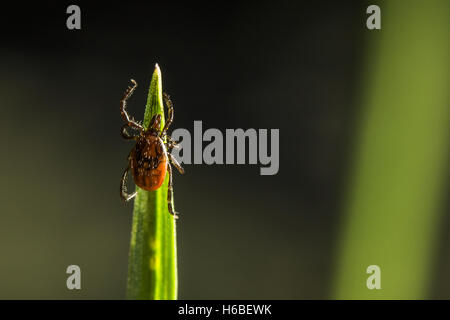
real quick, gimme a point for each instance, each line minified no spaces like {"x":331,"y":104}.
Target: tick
{"x":150,"y":159}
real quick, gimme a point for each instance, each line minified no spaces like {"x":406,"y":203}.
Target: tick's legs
{"x":170,"y":204}
{"x":175,"y":163}
{"x":123,"y":187}
{"x":123,"y":104}
{"x":170,"y":189}
{"x":172,"y":143}
{"x":169,"y":114}
{"x":125,"y":134}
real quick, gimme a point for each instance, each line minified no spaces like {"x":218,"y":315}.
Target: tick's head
{"x":155,"y":123}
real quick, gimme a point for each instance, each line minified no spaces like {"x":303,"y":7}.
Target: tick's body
{"x":149,"y":160}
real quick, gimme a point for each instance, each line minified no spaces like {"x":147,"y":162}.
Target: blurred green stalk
{"x":393,"y":207}
{"x":152,"y":270}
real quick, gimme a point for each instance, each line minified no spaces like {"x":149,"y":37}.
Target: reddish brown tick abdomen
{"x":149,"y":162}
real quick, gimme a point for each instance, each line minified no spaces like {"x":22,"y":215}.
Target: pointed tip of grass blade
{"x":154,"y":100}
{"x":157,"y":71}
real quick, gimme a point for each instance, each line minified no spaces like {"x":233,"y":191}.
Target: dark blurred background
{"x":296,"y":66}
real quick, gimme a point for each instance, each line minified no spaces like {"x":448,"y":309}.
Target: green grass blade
{"x":152,"y":270}
{"x":399,"y":176}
